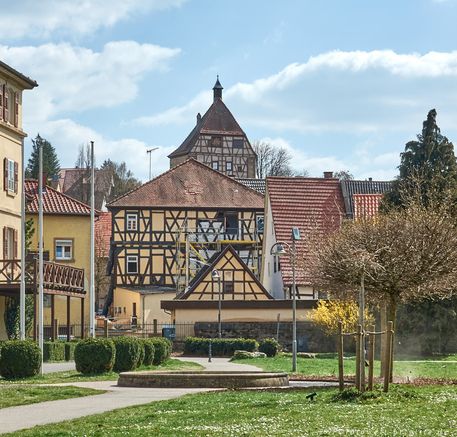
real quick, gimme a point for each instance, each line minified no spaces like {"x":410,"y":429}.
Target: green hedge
{"x":20,"y":359}
{"x":269,"y":346}
{"x":148,"y":346}
{"x":70,"y":350}
{"x":128,"y":353}
{"x":95,"y":355}
{"x":162,"y":349}
{"x":53,"y":351}
{"x":219,"y":346}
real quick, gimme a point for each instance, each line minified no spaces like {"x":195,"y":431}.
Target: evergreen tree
{"x":51,"y":165}
{"x":428,"y":169}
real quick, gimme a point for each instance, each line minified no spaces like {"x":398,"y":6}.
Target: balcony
{"x":57,"y":278}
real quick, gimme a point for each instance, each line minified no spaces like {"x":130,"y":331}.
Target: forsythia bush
{"x":329,"y":313}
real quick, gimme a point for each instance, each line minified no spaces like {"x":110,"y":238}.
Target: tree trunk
{"x":391,"y":316}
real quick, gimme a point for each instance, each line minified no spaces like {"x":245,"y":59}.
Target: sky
{"x":343,"y":85}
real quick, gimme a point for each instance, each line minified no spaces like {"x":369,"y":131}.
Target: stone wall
{"x":309,"y":338}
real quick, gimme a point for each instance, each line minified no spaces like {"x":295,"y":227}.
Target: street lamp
{"x":279,"y":249}
{"x":216,"y":275}
{"x":149,"y":152}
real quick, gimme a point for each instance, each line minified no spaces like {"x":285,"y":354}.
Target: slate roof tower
{"x":218,"y":141}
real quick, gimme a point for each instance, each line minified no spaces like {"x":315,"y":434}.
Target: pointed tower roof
{"x":217,"y":120}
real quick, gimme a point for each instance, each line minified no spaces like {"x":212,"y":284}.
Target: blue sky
{"x":341,"y":84}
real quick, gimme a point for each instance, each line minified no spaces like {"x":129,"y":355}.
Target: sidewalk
{"x":28,"y":416}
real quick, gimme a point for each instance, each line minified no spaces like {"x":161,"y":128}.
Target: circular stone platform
{"x":202,"y":379}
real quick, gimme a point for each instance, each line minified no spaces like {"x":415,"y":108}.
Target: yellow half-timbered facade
{"x":165,"y":231}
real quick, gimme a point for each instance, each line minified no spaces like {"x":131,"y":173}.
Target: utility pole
{"x":92,"y":244}
{"x":40,"y":254}
{"x":22,"y":290}
{"x":149,"y":152}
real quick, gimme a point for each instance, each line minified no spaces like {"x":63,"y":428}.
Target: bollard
{"x":105,"y":328}
{"x":340,"y":356}
{"x":210,"y":350}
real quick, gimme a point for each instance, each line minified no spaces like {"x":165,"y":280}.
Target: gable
{"x":237,"y":280}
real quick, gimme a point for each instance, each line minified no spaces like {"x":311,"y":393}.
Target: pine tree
{"x":428,"y":168}
{"x":51,"y":165}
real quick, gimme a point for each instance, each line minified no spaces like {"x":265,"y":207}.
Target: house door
{"x":134,"y":316}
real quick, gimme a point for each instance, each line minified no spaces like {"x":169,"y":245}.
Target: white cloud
{"x":76,"y":78}
{"x":41,"y":18}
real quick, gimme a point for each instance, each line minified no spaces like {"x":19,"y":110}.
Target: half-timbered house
{"x":218,"y":141}
{"x":165,"y":231}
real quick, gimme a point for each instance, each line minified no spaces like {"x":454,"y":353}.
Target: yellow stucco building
{"x":12,"y":84}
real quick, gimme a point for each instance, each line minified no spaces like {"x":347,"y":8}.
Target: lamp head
{"x":279,"y":250}
{"x":215,"y":274}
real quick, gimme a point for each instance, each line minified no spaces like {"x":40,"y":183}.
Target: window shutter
{"x":5,"y":174}
{"x":16,"y":109}
{"x":5,"y":242}
{"x":6,"y":115}
{"x":16,"y":176}
{"x":14,"y":243}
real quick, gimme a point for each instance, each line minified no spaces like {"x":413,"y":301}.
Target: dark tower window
{"x":238,"y":143}
{"x":231,"y":223}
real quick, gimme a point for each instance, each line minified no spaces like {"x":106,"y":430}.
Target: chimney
{"x":199,"y":118}
{"x":328,"y":174}
{"x":370,"y":179}
{"x":217,"y":90}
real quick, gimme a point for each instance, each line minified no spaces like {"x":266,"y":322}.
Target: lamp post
{"x":216,"y":275}
{"x":282,"y":248}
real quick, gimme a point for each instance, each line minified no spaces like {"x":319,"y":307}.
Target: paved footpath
{"x":27,"y":416}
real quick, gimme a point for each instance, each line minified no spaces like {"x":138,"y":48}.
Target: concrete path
{"x":27,"y":416}
{"x":220,"y":364}
{"x":63,"y":366}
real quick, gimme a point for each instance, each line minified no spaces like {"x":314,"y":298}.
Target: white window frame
{"x":63,"y":243}
{"x":11,"y":176}
{"x":131,"y":222}
{"x":229,"y":166}
{"x":129,"y":259}
{"x":215,"y":165}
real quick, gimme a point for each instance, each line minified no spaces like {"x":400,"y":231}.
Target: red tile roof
{"x":314,"y":205}
{"x":366,"y":205}
{"x":217,"y":120}
{"x":192,"y":185}
{"x":103,"y":234}
{"x":54,"y":202}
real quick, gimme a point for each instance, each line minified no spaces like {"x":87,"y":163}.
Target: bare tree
{"x":83,"y":159}
{"x":272,"y":160}
{"x":343,"y":175}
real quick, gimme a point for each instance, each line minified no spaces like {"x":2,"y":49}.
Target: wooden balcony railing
{"x":55,"y":276}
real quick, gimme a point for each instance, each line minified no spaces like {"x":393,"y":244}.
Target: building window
{"x":9,"y":243}
{"x":10,"y":173}
{"x":228,"y":167}
{"x":229,"y":288}
{"x":238,"y":143}
{"x":215,"y":165}
{"x":132,"y":222}
{"x":132,"y":264}
{"x":239,"y":168}
{"x":64,"y":250}
{"x":260,"y":221}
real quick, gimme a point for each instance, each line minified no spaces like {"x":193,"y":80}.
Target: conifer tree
{"x":428,"y":167}
{"x":51,"y":165}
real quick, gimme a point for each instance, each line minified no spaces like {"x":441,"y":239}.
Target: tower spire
{"x":217,"y":89}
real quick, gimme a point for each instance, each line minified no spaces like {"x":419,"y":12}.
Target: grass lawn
{"x":11,"y":396}
{"x":405,"y":411}
{"x":74,"y":376}
{"x":445,"y":368}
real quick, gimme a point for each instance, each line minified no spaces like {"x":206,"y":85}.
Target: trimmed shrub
{"x":95,"y":355}
{"x":128,"y":353}
{"x":269,"y":346}
{"x":20,"y":359}
{"x":162,"y":349}
{"x":148,"y":346}
{"x":70,"y":350}
{"x":219,"y":346}
{"x":240,"y":355}
{"x":53,"y":351}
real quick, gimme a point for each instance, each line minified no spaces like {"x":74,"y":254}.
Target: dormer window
{"x":132,"y":222}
